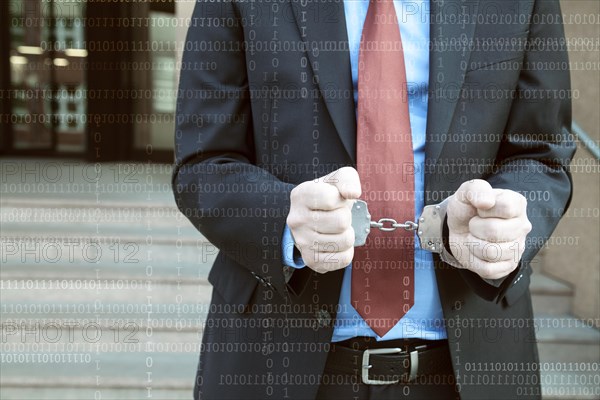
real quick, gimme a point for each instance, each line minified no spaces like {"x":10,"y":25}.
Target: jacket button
{"x":261,"y":279}
{"x":518,"y":279}
{"x":323,"y":318}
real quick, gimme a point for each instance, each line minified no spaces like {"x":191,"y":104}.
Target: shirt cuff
{"x":291,"y":255}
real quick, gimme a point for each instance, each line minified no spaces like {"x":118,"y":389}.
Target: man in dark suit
{"x":272,"y":127}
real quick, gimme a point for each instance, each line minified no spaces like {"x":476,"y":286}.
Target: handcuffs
{"x":429,"y":228}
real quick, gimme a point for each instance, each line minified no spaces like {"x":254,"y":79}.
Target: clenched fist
{"x":321,"y":222}
{"x":487,"y":228}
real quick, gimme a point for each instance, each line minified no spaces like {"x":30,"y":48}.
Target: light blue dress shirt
{"x":424,"y":320}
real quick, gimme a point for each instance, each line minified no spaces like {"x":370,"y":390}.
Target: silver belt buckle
{"x":366,"y":366}
{"x":414,"y":365}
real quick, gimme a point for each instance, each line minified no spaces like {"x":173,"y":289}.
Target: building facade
{"x":88,"y":79}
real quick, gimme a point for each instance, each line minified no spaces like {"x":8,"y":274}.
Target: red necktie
{"x":382,"y":270}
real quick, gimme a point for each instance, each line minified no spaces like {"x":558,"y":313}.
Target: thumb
{"x":347,"y":182}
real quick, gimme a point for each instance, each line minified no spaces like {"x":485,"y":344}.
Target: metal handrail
{"x":586,"y":140}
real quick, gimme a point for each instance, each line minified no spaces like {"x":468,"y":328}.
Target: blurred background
{"x":103,"y":287}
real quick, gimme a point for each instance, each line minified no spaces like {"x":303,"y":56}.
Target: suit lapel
{"x":447,"y":66}
{"x":320,"y":22}
{"x":325,"y":22}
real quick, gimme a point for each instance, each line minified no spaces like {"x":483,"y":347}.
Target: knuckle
{"x":347,"y":172}
{"x":292,"y":220}
{"x":494,"y":275}
{"x":296,"y":192}
{"x":494,"y":233}
{"x":514,"y":209}
{"x":308,"y":256}
{"x":484,"y":255}
{"x":348,"y":238}
{"x":318,"y":244}
{"x":522,"y":200}
{"x":310,"y":240}
{"x":314,"y":216}
{"x":452,"y":201}
{"x":302,"y":246}
{"x":345,"y":257}
{"x":330,"y":246}
{"x":527,"y":226}
{"x":333,"y":260}
{"x":486,"y":271}
{"x":491,"y":231}
{"x":347,"y":214}
{"x":480,"y":267}
{"x":503,"y":208}
{"x":335,"y":264}
{"x":343,"y":218}
{"x":305,"y":251}
{"x":318,"y":258}
{"x":318,"y":268}
{"x":326,"y":200}
{"x":337,"y":222}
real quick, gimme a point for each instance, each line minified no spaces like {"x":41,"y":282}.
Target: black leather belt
{"x":389,"y":365}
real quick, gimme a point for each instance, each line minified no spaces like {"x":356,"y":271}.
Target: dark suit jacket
{"x":266,"y":103}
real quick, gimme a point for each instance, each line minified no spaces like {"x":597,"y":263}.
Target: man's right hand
{"x":321,"y":221}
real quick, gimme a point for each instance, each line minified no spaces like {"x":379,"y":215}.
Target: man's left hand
{"x":487,"y":228}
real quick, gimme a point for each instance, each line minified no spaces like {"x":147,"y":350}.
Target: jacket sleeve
{"x":237,"y":206}
{"x":537,"y":146}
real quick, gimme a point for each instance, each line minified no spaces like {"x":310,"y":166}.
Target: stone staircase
{"x":104,"y":291}
{"x":103,"y":284}
{"x":569,"y":348}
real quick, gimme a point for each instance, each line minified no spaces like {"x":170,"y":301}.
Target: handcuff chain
{"x":407,"y":226}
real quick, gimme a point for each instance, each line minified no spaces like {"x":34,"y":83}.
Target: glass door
{"x":155,"y":134}
{"x":47,"y":58}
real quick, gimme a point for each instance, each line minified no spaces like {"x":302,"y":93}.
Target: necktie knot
{"x":383,"y":11}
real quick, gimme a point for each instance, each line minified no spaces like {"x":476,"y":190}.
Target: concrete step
{"x":158,"y":205}
{"x":56,"y":179}
{"x":117,"y":369}
{"x":105,"y":293}
{"x":99,"y":291}
{"x":103,"y":231}
{"x":569,"y":351}
{"x":78,"y":339}
{"x":102,"y":391}
{"x":115,"y":364}
{"x":565,"y":329}
{"x":549,"y":295}
{"x":579,"y":384}
{"x":21,"y":218}
{"x":39,"y":326}
{"x":104,"y":258}
{"x":39,"y":306}
{"x":566,"y":339}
